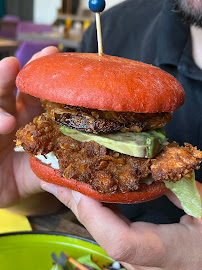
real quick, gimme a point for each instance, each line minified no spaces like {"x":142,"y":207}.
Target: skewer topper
{"x":98,"y":6}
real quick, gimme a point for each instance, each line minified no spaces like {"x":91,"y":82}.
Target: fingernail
{"x":77,"y":196}
{"x":44,"y":49}
{"x":4,"y":59}
{"x":49,"y":188}
{"x":5,"y":114}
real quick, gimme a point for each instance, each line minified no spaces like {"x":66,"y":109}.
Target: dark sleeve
{"x":112,"y":34}
{"x":89,"y":41}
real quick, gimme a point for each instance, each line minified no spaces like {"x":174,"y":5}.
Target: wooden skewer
{"x":99,"y":33}
{"x":97,"y":7}
{"x":75,"y":263}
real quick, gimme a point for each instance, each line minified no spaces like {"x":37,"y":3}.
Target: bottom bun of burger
{"x":143,"y":194}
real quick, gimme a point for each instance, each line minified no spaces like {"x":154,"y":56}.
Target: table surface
{"x":64,"y":221}
{"x":10,"y":23}
{"x":8,"y":42}
{"x":8,"y":46}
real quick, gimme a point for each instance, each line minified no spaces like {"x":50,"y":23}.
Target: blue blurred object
{"x":97,"y":5}
{"x":2,"y":8}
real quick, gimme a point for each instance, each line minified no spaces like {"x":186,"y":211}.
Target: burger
{"x":101,"y":132}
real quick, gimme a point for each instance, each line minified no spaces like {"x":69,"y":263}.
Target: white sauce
{"x":49,"y":159}
{"x":19,"y":149}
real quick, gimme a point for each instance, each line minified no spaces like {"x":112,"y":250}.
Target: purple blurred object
{"x":28,"y":48}
{"x":8,"y":26}
{"x":30,"y":27}
{"x":11,"y":18}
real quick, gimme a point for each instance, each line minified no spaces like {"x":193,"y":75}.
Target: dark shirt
{"x":149,"y":31}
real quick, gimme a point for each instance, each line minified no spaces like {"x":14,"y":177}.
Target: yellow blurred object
{"x":60,"y":47}
{"x":10,"y":222}
{"x":68,"y":23}
{"x":86,"y":24}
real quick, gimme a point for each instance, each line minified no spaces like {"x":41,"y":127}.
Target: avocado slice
{"x":144,"y":144}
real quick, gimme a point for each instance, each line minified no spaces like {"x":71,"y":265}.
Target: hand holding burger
{"x":137,"y":245}
{"x":17,"y":190}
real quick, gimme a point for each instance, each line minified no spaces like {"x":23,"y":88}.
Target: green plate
{"x":32,"y":250}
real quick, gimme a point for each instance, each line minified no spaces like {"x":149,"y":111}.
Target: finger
{"x":114,"y":207}
{"x":9,"y":68}
{"x":46,"y":51}
{"x":199,"y":187}
{"x":192,"y":223}
{"x":7,"y":122}
{"x":173,"y":198}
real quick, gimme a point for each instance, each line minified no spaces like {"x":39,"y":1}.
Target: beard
{"x":190,"y":11}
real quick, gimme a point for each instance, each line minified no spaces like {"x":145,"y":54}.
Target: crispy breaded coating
{"x":107,"y":171}
{"x":174,"y":162}
{"x":39,"y":136}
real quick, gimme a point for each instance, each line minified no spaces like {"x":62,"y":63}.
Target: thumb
{"x":30,"y":103}
{"x":7,"y":122}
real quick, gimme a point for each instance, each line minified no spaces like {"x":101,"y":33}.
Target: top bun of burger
{"x":103,"y":82}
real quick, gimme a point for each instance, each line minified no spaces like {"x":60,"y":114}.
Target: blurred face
{"x":190,"y":11}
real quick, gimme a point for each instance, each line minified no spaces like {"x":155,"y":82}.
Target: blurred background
{"x":27,"y":26}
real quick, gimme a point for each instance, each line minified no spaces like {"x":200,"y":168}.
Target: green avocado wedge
{"x":143,"y":145}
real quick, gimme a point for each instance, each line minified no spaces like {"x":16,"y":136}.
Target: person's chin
{"x":189,"y":11}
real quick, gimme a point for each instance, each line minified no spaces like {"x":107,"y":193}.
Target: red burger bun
{"x":101,"y":82}
{"x":143,"y":194}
